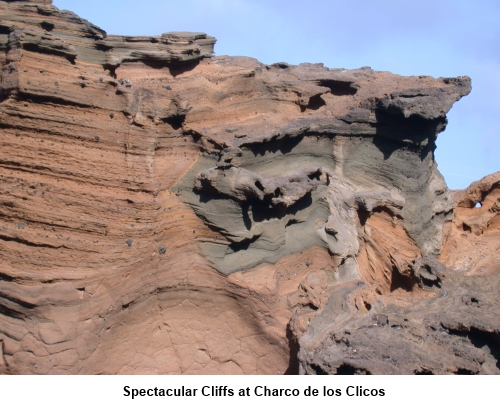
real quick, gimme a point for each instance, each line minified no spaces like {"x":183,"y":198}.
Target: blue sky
{"x":438,"y":38}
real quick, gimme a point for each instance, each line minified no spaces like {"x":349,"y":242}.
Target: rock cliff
{"x":175,"y":212}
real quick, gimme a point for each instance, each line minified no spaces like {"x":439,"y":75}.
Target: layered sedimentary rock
{"x":174,"y":212}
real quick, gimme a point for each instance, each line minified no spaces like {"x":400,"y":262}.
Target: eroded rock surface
{"x":453,"y":330}
{"x":174,"y":212}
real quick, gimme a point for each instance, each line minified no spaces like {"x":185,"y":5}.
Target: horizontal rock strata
{"x":175,"y":212}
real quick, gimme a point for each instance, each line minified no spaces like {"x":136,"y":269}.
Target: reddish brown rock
{"x":173,"y":212}
{"x":453,"y":329}
{"x":472,"y":244}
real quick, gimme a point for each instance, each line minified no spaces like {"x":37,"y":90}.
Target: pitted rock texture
{"x":455,"y":329}
{"x":174,"y":212}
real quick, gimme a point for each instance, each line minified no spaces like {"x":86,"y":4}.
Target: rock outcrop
{"x":175,"y":212}
{"x":454,"y":330}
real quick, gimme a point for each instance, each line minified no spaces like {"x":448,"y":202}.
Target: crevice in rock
{"x":292,"y":221}
{"x":317,"y":369}
{"x":487,"y":341}
{"x":243,"y":245}
{"x":17,"y":301}
{"x":4,"y":96}
{"x":104,"y":48}
{"x":28,"y":243}
{"x":293,"y":346}
{"x":47,"y":99}
{"x":285,"y":145}
{"x":363,"y":216}
{"x":5,"y":277}
{"x":9,"y":312}
{"x":49,"y":51}
{"x":246,"y":218}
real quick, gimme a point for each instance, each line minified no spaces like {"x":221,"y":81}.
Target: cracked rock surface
{"x":174,"y":212}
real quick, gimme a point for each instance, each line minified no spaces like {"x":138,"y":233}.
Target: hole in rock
{"x":400,"y":281}
{"x":195,"y":135}
{"x":466,"y":228}
{"x":347,"y":369}
{"x":363,"y":216}
{"x":315,"y":103}
{"x":175,"y":121}
{"x":280,"y":65}
{"x":293,"y":346}
{"x":337,"y":87}
{"x":284,"y":146}
{"x":176,"y":70}
{"x":427,"y":281}
{"x":47,"y":26}
{"x":463,"y":371}
{"x":315,"y":176}
{"x":487,"y":341}
{"x":111,"y":68}
{"x":5,"y":277}
{"x":478,"y":205}
{"x":318,"y":370}
{"x":263,"y":212}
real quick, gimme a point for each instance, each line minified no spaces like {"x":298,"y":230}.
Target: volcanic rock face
{"x":174,"y":212}
{"x":455,"y":329}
